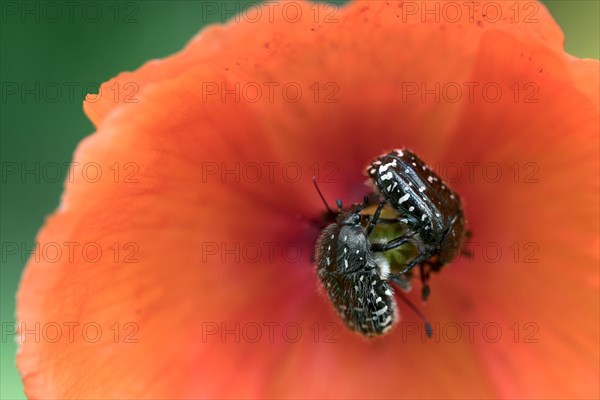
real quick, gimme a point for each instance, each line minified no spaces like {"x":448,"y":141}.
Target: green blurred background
{"x":44,"y":44}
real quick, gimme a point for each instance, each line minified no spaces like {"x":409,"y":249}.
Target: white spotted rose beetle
{"x":431,"y":210}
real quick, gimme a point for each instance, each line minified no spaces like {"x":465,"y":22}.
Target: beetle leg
{"x":403,"y":282}
{"x":392,"y":244}
{"x":425,"y":290}
{"x":387,"y":220}
{"x":415,"y":261}
{"x":375,"y":218}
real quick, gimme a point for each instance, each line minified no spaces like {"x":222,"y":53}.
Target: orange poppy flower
{"x":179,"y":262}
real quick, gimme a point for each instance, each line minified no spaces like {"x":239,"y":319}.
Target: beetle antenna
{"x":314,"y":178}
{"x":409,"y":303}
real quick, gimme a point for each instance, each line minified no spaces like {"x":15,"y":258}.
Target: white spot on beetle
{"x":403,"y":198}
{"x":387,"y":176}
{"x":381,"y":311}
{"x":385,"y":167}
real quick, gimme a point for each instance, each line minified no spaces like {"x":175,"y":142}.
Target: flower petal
{"x":181,"y":203}
{"x":541,"y":213}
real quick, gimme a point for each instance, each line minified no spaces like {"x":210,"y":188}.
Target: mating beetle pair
{"x":352,"y":268}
